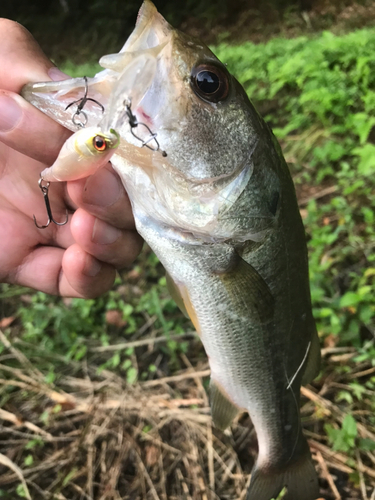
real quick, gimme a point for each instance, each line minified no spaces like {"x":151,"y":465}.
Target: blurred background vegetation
{"x":309,"y":68}
{"x":83,"y":29}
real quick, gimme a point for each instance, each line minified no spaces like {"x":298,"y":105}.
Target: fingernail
{"x":102,"y":189}
{"x":10,"y":114}
{"x":56,"y":75}
{"x":92,"y":266}
{"x":104,"y":234}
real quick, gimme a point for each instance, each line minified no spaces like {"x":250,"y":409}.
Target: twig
{"x":142,"y":342}
{"x":8,"y":463}
{"x":339,"y":466}
{"x":333,"y":409}
{"x":21,"y":357}
{"x":361,"y":478}
{"x":176,"y":378}
{"x":340,"y":457}
{"x":335,"y":350}
{"x":197,"y":379}
{"x":327,"y":475}
{"x":210,"y":457}
{"x":184,"y":485}
{"x":147,"y":476}
{"x":244,"y":493}
{"x":319,"y":194}
{"x":10,"y":417}
{"x":364,"y":373}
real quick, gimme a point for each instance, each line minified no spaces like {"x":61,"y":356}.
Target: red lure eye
{"x":99,"y":143}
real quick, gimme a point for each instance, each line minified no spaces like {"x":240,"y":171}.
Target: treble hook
{"x":44,"y":190}
{"x":82,"y":102}
{"x":133,"y":122}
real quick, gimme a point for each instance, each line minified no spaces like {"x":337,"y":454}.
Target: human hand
{"x":76,"y":260}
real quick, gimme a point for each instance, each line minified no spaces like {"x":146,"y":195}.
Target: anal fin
{"x":222,"y":409}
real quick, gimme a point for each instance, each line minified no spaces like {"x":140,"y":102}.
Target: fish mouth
{"x":139,"y":64}
{"x":150,"y":35}
{"x":151,"y":29}
{"x":148,"y":39}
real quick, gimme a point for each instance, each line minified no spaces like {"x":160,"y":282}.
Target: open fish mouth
{"x":151,"y":30}
{"x":126,"y":79}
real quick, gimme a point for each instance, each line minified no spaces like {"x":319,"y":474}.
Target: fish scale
{"x":232,"y":343}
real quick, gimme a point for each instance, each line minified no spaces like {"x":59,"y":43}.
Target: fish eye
{"x":210,"y":82}
{"x":99,"y":143}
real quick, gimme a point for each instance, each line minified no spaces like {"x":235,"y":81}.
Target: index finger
{"x":21,"y":58}
{"x":23,"y":127}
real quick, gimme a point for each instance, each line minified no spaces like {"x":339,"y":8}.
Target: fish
{"x":212,"y":195}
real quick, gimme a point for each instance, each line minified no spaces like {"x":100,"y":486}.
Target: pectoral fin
{"x":249,"y":291}
{"x":312,"y":365}
{"x":222,"y":409}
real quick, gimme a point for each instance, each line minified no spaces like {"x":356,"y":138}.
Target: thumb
{"x":28,"y":130}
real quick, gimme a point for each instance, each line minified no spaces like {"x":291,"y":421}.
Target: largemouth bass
{"x":213,"y":197}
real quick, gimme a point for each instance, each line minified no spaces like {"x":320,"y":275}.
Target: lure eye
{"x":210,"y":82}
{"x":99,"y":143}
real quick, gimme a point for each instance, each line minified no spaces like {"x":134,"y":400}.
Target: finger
{"x":103,"y":196}
{"x":23,"y":127}
{"x":107,"y":243}
{"x":84,"y":275}
{"x":29,"y":131}
{"x":70,"y":273}
{"x":21,"y":58}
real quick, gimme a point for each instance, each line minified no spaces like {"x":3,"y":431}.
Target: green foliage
{"x":76,"y":70}
{"x":343,"y":439}
{"x":318,"y":95}
{"x":74,"y":321}
{"x":281,"y":495}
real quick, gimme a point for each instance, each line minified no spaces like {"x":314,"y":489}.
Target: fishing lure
{"x":44,"y":188}
{"x":90,"y":147}
{"x":79,"y":117}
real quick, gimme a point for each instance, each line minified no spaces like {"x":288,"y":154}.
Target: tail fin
{"x":299,"y":478}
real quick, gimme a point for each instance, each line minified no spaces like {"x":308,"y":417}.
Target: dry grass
{"x":94,"y":437}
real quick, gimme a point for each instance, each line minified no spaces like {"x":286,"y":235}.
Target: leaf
{"x":366,"y":154}
{"x":358,"y":390}
{"x":29,"y":460}
{"x":349,"y":426}
{"x":4,"y":460}
{"x":131,"y":375}
{"x":350,"y":299}
{"x":366,"y":444}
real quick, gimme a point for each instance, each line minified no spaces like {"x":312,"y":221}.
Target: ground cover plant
{"x":106,"y":399}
